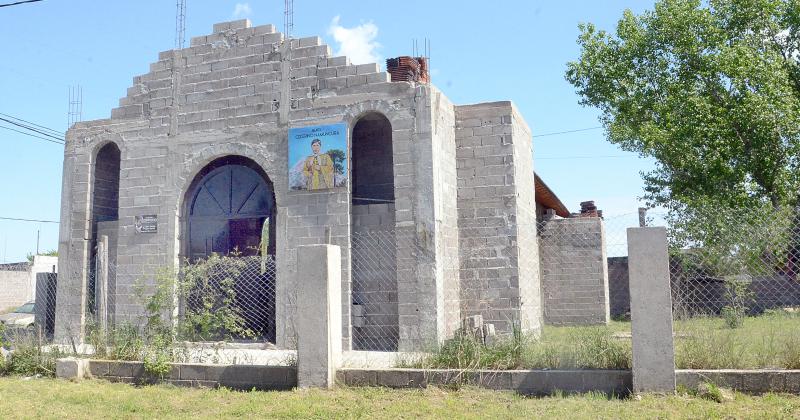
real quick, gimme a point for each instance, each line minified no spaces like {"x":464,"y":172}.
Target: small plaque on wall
{"x":147,"y":223}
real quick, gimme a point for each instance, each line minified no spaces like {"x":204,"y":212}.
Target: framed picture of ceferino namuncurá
{"x":317,"y":157}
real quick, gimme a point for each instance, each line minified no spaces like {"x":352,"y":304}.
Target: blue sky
{"x":480,"y":51}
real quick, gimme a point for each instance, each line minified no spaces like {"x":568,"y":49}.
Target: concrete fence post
{"x":651,"y":311}
{"x":319,"y":315}
{"x":101,"y":283}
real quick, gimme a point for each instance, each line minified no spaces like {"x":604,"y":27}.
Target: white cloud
{"x":357,"y":43}
{"x":242,"y":10}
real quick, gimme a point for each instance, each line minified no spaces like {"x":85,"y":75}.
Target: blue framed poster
{"x":317,"y":157}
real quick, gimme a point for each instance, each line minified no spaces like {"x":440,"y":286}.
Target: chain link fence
{"x":221,"y":309}
{"x":375,"y":311}
{"x":15,"y":288}
{"x":736,"y":290}
{"x":736,"y":294}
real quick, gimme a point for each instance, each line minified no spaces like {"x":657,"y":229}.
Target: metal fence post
{"x":651,"y":311}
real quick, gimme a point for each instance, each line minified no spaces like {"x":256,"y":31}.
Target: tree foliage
{"x":711,"y":91}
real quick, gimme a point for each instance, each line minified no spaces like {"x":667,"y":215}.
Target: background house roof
{"x":547,"y":198}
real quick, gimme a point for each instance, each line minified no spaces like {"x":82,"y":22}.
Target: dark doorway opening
{"x":230,"y":211}
{"x":105,"y":208}
{"x":373,"y":249}
{"x":372,"y":166}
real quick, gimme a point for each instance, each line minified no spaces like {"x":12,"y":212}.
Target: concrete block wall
{"x":574,"y":271}
{"x":15,"y":288}
{"x":237,"y":92}
{"x":619,"y":295}
{"x":18,"y":281}
{"x":497,"y":216}
{"x":374,"y":278}
{"x":526,"y":219}
{"x":445,"y":194}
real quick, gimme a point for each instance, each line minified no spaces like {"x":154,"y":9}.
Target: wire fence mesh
{"x":375,"y":316}
{"x":15,"y":288}
{"x":736,"y":291}
{"x":221,"y":309}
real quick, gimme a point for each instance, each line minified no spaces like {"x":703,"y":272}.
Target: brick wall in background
{"x":574,"y":271}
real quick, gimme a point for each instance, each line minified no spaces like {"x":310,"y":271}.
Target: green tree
{"x":338,"y":157}
{"x":711,"y":91}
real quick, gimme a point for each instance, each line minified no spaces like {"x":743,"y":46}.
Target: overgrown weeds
{"x":29,"y":356}
{"x":209,"y":313}
{"x":581,"y":348}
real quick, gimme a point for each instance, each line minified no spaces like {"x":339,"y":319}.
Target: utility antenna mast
{"x":288,"y":18}
{"x":180,"y":24}
{"x":75,"y":105}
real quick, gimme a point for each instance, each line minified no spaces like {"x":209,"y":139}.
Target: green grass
{"x":770,"y":340}
{"x":51,"y":398}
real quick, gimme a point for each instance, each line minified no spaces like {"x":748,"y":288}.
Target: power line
{"x":35,"y":130}
{"x":567,"y":131}
{"x":584,"y":157}
{"x":18,"y":2}
{"x":60,"y":133}
{"x":28,"y":220}
{"x":33,"y":135}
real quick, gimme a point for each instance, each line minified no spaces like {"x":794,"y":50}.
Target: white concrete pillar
{"x":101,"y":283}
{"x":319,"y":315}
{"x":651,"y":311}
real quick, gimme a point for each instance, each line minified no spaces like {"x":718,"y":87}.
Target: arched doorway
{"x":230,"y":211}
{"x":373,"y":246}
{"x":104,"y":217}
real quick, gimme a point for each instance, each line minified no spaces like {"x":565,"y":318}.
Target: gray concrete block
{"x":234,"y":24}
{"x":394,"y":378}
{"x":195,"y":372}
{"x":354,"y":377}
{"x":651,"y":311}
{"x":98,"y":368}
{"x":746,"y":381}
{"x":71,"y":368}
{"x":122,"y":369}
{"x":495,"y":379}
{"x":319,"y":315}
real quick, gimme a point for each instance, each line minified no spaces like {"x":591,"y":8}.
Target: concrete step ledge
{"x":244,"y":377}
{"x":747,"y":381}
{"x":529,"y":382}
